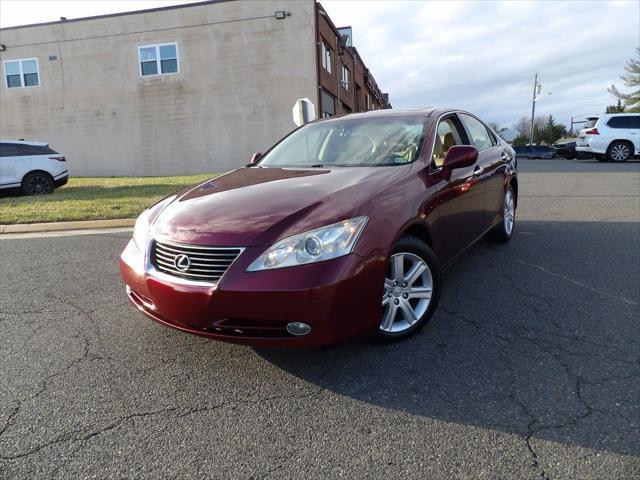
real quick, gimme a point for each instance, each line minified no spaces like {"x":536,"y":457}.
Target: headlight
{"x":141,"y":230}
{"x":313,"y":246}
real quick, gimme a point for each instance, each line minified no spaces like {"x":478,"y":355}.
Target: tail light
{"x":60,"y":159}
{"x":593,"y":131}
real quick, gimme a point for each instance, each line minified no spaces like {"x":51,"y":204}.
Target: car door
{"x":14,"y":164}
{"x":492,"y":163}
{"x":460,"y":198}
{"x":634,"y":132}
{"x":626,"y":127}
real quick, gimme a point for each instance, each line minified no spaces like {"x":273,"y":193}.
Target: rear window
{"x":523,"y":149}
{"x":628,"y":121}
{"x":590,"y":123}
{"x":38,"y":150}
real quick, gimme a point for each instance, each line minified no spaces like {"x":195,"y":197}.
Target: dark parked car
{"x":535,"y":151}
{"x":340,"y":229}
{"x":567,"y":149}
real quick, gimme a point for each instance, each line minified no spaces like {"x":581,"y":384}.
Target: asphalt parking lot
{"x":529,"y":369}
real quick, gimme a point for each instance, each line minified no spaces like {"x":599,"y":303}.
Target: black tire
{"x":500,"y":233}
{"x":619,"y":151}
{"x":412,"y":245}
{"x":37,"y":183}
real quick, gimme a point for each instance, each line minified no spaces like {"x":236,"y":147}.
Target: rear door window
{"x":631,"y":121}
{"x":479,"y":134}
{"x":39,"y":150}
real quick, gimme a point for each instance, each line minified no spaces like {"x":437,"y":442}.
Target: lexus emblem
{"x":182,"y":262}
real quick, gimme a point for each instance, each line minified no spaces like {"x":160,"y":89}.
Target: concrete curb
{"x":64,"y":226}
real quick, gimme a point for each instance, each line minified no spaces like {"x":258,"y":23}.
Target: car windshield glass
{"x":590,"y":123}
{"x":350,"y":142}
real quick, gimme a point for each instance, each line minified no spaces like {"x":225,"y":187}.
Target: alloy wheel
{"x":38,"y":185}
{"x":407,"y":292}
{"x":620,"y":152}
{"x":509,"y":212}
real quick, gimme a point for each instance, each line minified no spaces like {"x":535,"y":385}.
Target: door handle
{"x":478,"y":171}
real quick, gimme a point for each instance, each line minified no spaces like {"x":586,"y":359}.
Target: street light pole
{"x":533,"y":107}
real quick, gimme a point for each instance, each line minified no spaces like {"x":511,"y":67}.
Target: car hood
{"x":258,"y":206}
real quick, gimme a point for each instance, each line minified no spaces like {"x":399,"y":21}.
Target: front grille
{"x":204,"y":264}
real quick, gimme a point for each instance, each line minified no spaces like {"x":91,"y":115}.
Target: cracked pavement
{"x":529,"y":368}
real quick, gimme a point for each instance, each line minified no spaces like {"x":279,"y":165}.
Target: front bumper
{"x":339,"y":299}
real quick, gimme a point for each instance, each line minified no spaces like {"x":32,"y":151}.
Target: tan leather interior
{"x":438,"y":152}
{"x":449,"y":142}
{"x":446,"y":137}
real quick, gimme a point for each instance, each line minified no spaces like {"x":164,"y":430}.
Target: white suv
{"x":31,"y":166}
{"x":614,"y":137}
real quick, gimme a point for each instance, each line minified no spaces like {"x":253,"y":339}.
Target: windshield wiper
{"x":317,"y":165}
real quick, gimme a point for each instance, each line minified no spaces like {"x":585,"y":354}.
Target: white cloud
{"x":482,"y":56}
{"x":477,"y":55}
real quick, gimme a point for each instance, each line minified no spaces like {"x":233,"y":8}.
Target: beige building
{"x":177,"y":90}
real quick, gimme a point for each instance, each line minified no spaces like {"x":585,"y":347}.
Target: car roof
{"x":609,"y":115}
{"x":26,"y":142}
{"x":403,"y":112}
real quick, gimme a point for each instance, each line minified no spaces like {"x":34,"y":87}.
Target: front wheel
{"x":411,"y":289}
{"x":504,"y":230}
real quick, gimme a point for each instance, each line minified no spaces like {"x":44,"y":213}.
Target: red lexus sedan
{"x":341,"y":229}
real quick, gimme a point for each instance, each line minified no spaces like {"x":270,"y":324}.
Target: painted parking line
{"x":67,"y":233}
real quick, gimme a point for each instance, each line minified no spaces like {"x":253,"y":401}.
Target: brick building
{"x":346,"y":84}
{"x":177,"y":90}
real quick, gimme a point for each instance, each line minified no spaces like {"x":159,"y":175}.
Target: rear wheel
{"x":503,"y":232}
{"x":411,"y":289}
{"x":619,"y":152}
{"x":37,"y":183}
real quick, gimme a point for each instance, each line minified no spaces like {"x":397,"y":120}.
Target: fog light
{"x":298,"y":328}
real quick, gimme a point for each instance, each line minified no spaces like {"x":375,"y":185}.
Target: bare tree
{"x":632,"y":80}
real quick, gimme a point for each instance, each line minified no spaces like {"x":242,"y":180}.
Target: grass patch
{"x":94,"y":199}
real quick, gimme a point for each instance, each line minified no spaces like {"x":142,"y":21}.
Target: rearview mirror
{"x":254,"y":159}
{"x":460,"y":156}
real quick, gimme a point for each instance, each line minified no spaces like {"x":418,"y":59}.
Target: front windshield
{"x":350,"y":142}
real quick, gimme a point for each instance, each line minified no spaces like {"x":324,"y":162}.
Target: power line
{"x":110,"y":35}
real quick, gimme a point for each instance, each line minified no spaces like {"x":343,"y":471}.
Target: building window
{"x":328,"y":104}
{"x":158,"y":59}
{"x":21,"y":73}
{"x":367,"y":102}
{"x":326,"y":57}
{"x":345,"y":77}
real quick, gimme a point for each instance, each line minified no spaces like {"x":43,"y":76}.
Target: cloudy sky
{"x":476,"y":55}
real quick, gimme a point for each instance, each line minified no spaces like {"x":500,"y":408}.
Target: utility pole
{"x":536,"y":89}
{"x":571,"y":129}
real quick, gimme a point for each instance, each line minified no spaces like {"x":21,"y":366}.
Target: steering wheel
{"x":390,"y":158}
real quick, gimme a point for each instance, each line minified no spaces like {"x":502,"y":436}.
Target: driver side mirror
{"x":460,"y":156}
{"x":254,"y":159}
